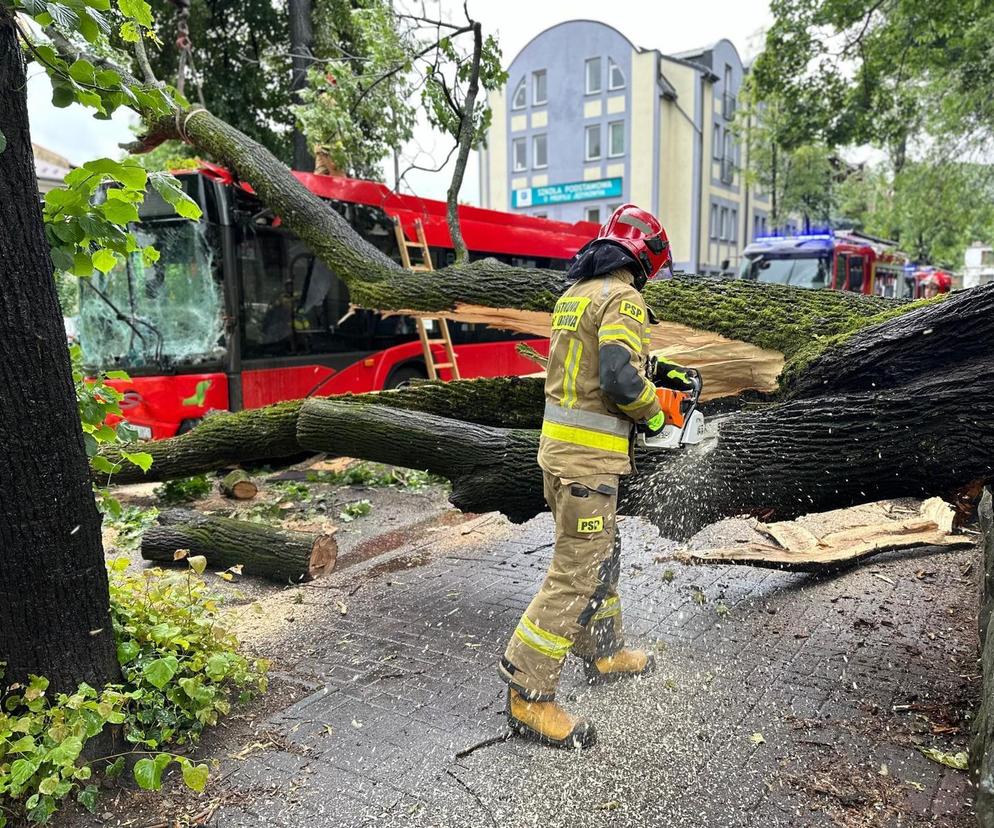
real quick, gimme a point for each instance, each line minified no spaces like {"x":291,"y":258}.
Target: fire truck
{"x":839,"y":260}
{"x":238,"y":312}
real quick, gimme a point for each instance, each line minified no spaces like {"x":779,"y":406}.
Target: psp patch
{"x":589,"y":525}
{"x":633,"y":311}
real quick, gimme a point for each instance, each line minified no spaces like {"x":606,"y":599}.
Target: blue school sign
{"x":562,"y":193}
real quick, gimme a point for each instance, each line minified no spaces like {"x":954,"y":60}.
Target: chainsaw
{"x":684,"y":423}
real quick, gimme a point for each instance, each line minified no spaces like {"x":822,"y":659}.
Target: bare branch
{"x":144,"y":65}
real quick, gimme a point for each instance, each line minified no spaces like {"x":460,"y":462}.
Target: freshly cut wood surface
{"x":728,"y":366}
{"x":794,"y":546}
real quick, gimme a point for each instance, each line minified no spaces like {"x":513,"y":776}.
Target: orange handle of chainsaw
{"x":669,"y":403}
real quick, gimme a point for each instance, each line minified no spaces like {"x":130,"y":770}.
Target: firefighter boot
{"x":623,"y":664}
{"x":547,"y":723}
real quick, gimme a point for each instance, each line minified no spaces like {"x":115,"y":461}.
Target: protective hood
{"x":598,"y":257}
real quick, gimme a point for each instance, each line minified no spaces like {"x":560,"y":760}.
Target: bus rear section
{"x":239,"y":313}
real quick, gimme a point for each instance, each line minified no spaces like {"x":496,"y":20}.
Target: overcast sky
{"x":663,"y":24}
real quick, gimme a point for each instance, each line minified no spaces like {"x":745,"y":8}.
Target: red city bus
{"x":840,"y":260}
{"x":239,"y":313}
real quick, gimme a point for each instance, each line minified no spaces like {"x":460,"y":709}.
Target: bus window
{"x":855,"y":269}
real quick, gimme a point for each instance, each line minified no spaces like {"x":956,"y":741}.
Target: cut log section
{"x":264,"y":552}
{"x":238,"y":485}
{"x":795,"y":547}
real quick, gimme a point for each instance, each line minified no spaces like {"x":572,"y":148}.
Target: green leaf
{"x":160,"y":671}
{"x":198,"y":563}
{"x":195,"y":776}
{"x":48,"y":785}
{"x":199,"y":394}
{"x":142,"y":459}
{"x":103,"y":465}
{"x":104,"y":260}
{"x":130,"y":33}
{"x":115,"y":768}
{"x":127,"y":651}
{"x":21,"y":770}
{"x":119,"y":212}
{"x":138,"y":10}
{"x":959,"y":761}
{"x":117,"y":375}
{"x":170,"y":190}
{"x":67,"y":752}
{"x":148,"y":772}
{"x":88,"y":797}
{"x":82,"y":71}
{"x":26,"y":744}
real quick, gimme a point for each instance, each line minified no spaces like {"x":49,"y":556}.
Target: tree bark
{"x":270,"y":434}
{"x":301,"y":43}
{"x":275,"y":554}
{"x":54,"y":610}
{"x":467,"y":129}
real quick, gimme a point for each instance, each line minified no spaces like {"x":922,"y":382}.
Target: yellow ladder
{"x":445,"y":338}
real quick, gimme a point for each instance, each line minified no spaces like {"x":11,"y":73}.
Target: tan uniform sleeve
{"x":624,"y":323}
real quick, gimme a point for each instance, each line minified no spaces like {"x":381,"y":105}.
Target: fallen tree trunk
{"x":275,"y":554}
{"x":269,"y":434}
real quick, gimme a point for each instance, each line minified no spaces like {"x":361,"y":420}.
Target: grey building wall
{"x":562,"y":51}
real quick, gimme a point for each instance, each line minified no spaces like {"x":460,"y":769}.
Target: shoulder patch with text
{"x":590,"y":524}
{"x":566,"y":315}
{"x":630,"y":309}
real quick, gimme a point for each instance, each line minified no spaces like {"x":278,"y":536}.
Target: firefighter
{"x":596,"y":393}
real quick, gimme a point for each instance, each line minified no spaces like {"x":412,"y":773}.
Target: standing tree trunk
{"x":301,"y":42}
{"x":467,"y":128}
{"x":54,"y":616}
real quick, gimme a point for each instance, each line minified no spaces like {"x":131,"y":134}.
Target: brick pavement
{"x":384,"y":696}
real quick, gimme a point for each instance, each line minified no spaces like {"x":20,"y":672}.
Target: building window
{"x":593,"y":142}
{"x":593,"y":75}
{"x":728,"y":159}
{"x":716,"y":145}
{"x":519,"y":154}
{"x":714,"y":221}
{"x":615,"y":77}
{"x":723,"y":234}
{"x":616,"y":138}
{"x":520,"y":98}
{"x":592,"y":214}
{"x":733,"y":227}
{"x":540,"y":156}
{"x":540,"y":89}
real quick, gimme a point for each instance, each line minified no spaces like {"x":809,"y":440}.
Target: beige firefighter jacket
{"x":584,"y":431}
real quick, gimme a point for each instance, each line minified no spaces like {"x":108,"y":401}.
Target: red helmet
{"x":641,"y":234}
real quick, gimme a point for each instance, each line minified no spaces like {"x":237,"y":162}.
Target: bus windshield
{"x":807,"y":272}
{"x":167,"y":313}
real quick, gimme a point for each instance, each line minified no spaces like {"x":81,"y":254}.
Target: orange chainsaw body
{"x":671,"y":404}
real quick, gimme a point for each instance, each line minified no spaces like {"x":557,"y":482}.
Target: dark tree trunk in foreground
{"x":54,"y":617}
{"x":277,"y":554}
{"x":301,"y":43}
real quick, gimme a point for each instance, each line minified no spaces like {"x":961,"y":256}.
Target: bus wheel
{"x":403,"y":375}
{"x":188,"y":424}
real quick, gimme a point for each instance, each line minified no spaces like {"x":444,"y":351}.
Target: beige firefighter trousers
{"x":577,"y":609}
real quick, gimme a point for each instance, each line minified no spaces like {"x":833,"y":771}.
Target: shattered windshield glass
{"x":159,"y":315}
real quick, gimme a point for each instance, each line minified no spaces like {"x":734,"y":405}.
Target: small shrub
{"x":181,"y":669}
{"x":184,"y":489}
{"x":130,"y":524}
{"x":356,"y":510}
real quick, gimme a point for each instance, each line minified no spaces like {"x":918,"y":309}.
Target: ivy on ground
{"x":181,"y":671}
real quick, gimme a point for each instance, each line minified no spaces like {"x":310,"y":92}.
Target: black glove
{"x":667,"y":374}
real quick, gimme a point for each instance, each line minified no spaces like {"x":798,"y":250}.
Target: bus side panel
{"x":269,"y":385}
{"x":498,"y":359}
{"x":157,"y":402}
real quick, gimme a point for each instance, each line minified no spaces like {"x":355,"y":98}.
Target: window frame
{"x":535,"y":138}
{"x":610,"y":142}
{"x":544,"y":73}
{"x":521,"y":87}
{"x":713,"y":225}
{"x":588,"y":210}
{"x":723,"y":224}
{"x":587,"y":131}
{"x":523,"y":142}
{"x":733,"y":227}
{"x":717,"y":144}
{"x":611,"y":67}
{"x":586,"y":76}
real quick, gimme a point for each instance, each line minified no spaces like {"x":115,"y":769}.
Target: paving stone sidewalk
{"x":781,"y":699}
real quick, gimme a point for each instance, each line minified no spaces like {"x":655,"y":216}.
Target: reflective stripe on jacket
{"x":584,"y":430}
